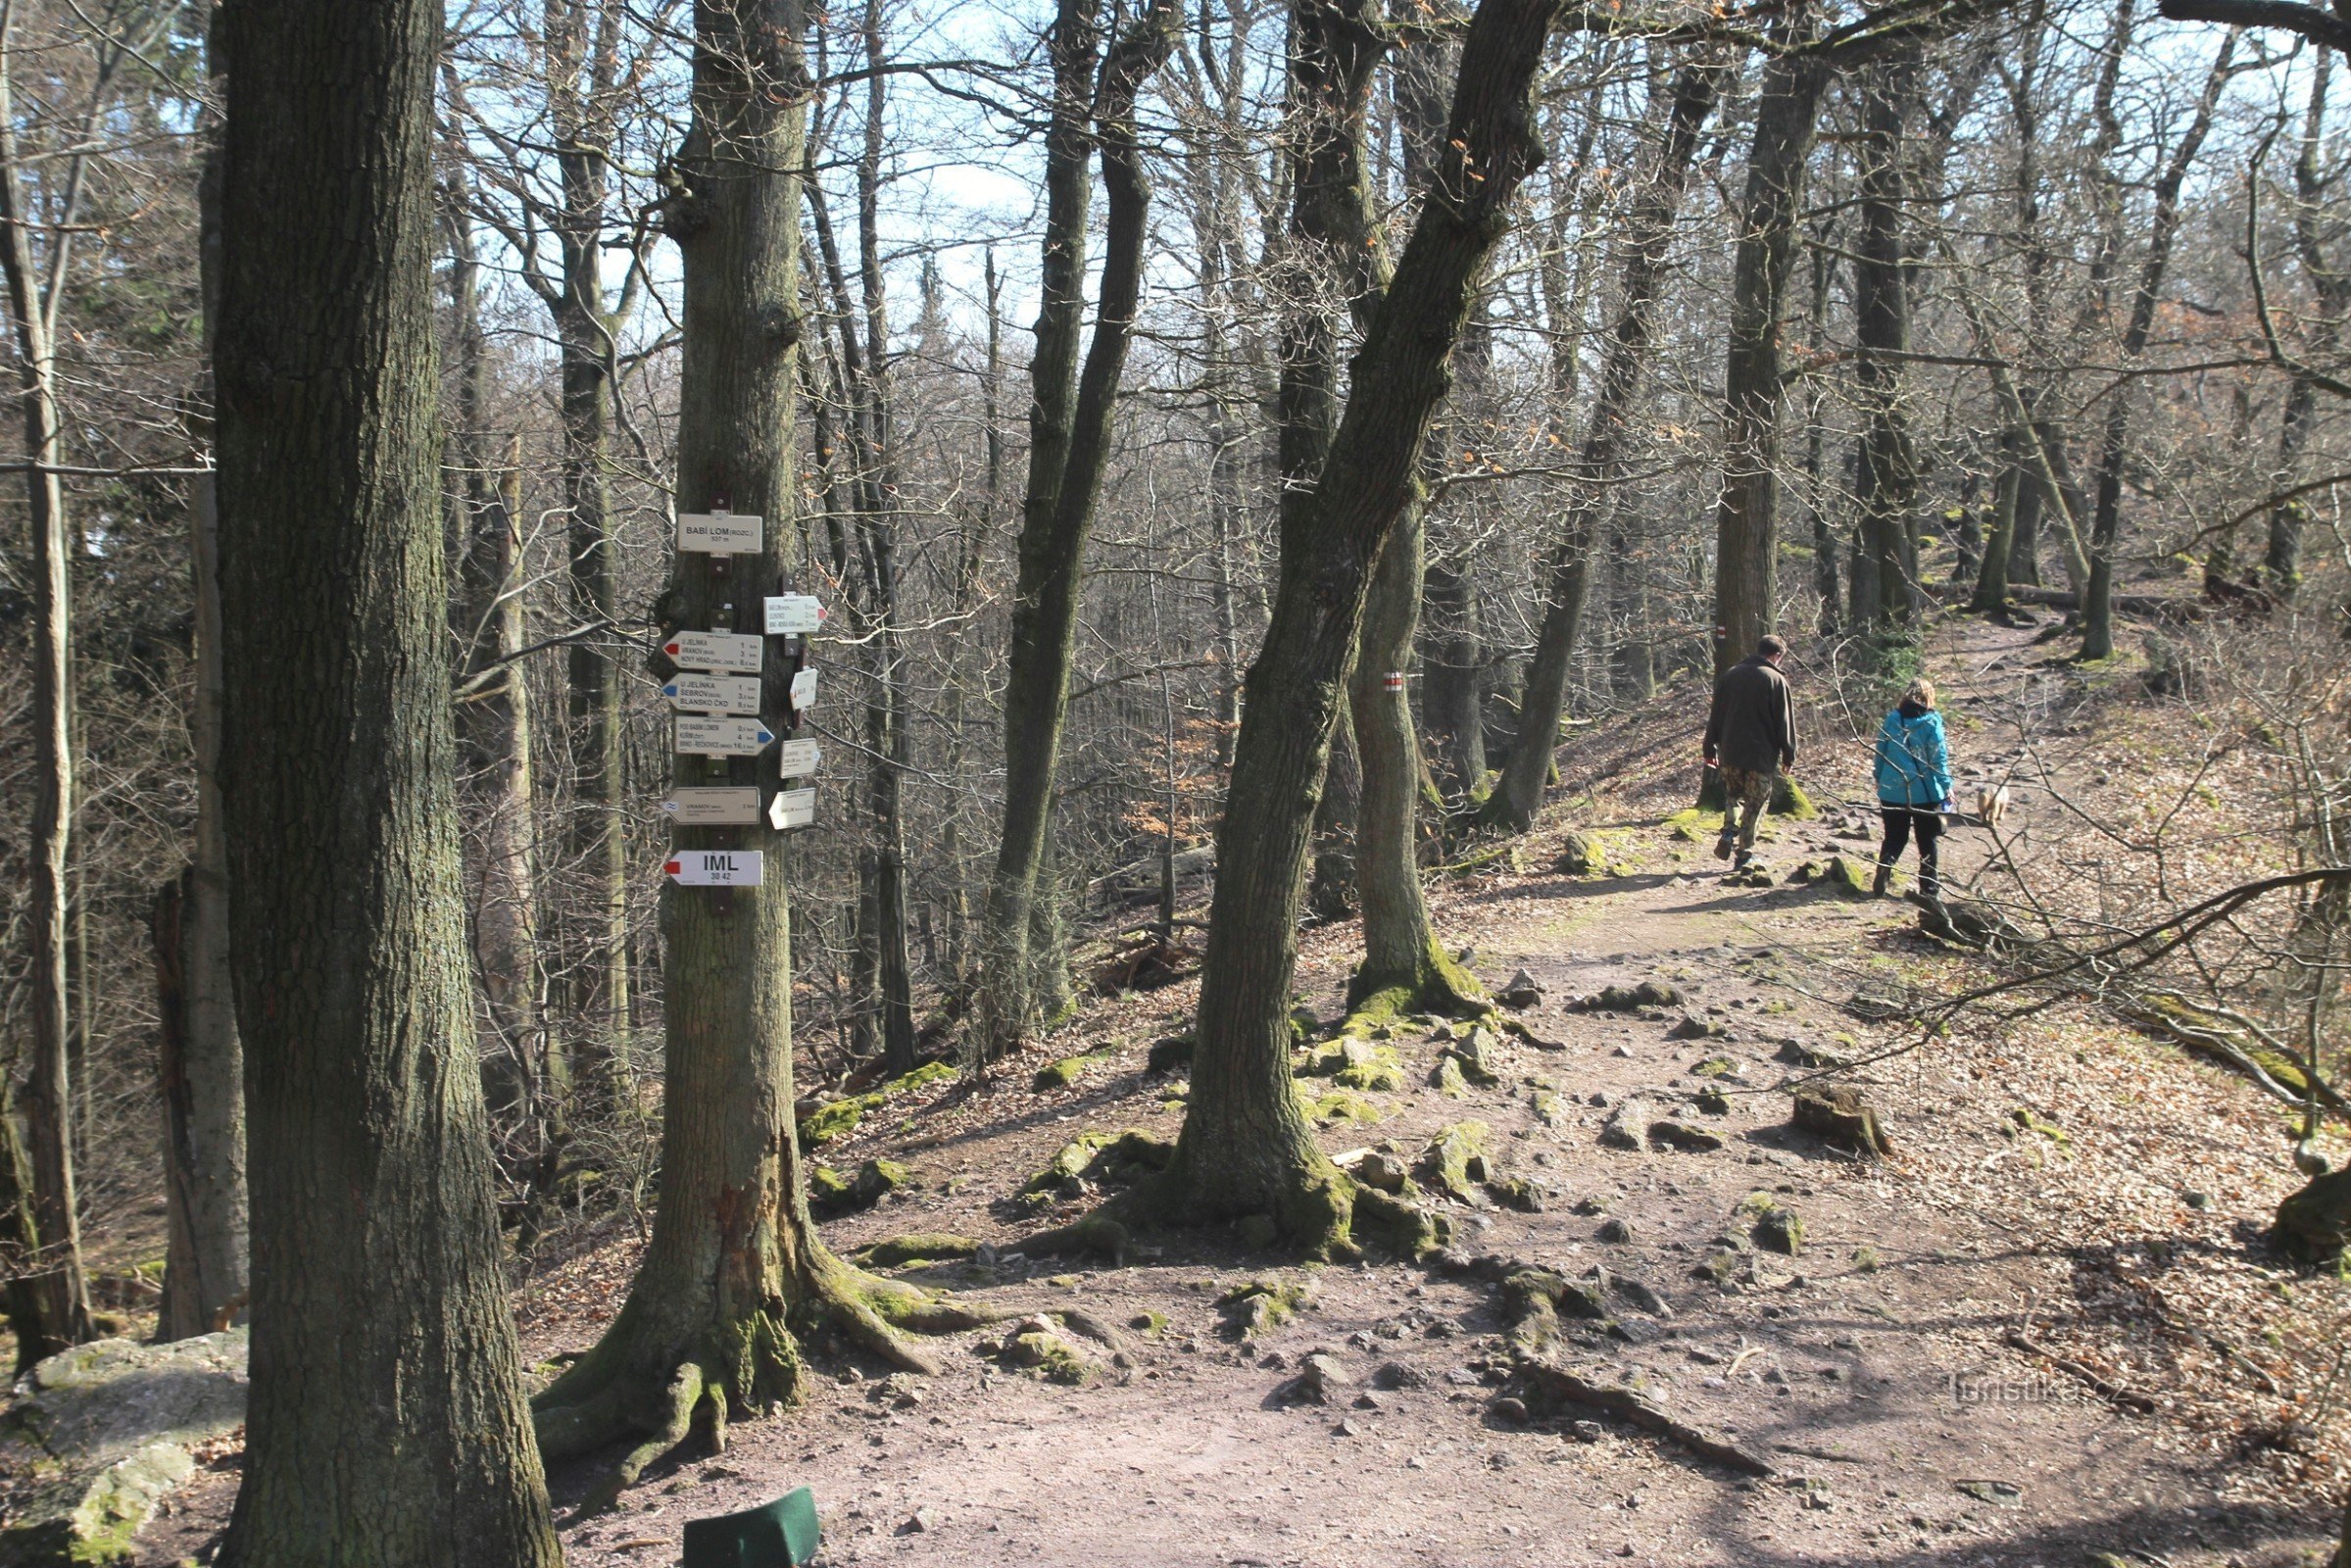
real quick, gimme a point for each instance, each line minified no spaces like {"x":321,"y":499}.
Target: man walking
{"x":1751,"y":735}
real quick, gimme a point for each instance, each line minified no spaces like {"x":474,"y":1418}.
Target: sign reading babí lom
{"x":718,"y":533}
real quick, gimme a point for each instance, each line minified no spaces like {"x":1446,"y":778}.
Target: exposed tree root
{"x":1550,"y":1378}
{"x":1324,"y":1214}
{"x":645,"y":1379}
{"x":1434,"y":986}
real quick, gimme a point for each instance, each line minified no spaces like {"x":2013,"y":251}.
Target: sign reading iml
{"x":716,"y":868}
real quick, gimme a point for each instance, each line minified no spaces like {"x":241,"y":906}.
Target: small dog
{"x":1992,"y":805}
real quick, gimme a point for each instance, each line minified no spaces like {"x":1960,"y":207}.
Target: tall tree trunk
{"x":1885,"y":463}
{"x":1452,"y":664}
{"x":1069,"y":448}
{"x":1246,"y":1146}
{"x":1990,"y":596}
{"x":597,"y":1004}
{"x":2281,"y":556}
{"x":1647,"y":228}
{"x":1816,"y":441}
{"x":59,"y":1285}
{"x":1747,"y":580}
{"x":734,"y":1271}
{"x":386,"y":1422}
{"x":203,"y":1072}
{"x":2106,"y":529}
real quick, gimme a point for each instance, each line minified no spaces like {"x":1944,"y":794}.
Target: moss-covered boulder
{"x":1068,"y":1071}
{"x":836,"y":1120}
{"x":1455,"y":1161}
{"x":1633,"y":998}
{"x":1170,"y":1054}
{"x":97,"y":1438}
{"x":916,"y":1248}
{"x":1102,"y":1158}
{"x":828,"y":1191}
{"x":1258,"y":1306}
{"x":1338,"y":1105}
{"x":1773,"y":1224}
{"x":1039,"y":1346}
{"x":1577,"y":856}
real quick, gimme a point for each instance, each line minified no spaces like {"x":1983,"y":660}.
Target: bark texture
{"x":1246,"y":1146}
{"x":387,"y":1424}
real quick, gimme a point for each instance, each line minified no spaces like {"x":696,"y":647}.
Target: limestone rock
{"x":97,"y":1436}
{"x":1521,"y":992}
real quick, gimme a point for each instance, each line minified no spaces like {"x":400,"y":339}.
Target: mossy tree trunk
{"x":1990,"y":596}
{"x":734,"y":1273}
{"x":1246,"y":1146}
{"x":2282,"y":559}
{"x":1069,"y":448}
{"x":386,"y":1420}
{"x":1747,"y":549}
{"x":1647,"y":227}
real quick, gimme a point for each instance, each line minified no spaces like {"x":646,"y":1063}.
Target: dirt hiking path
{"x":2077,"y":1188}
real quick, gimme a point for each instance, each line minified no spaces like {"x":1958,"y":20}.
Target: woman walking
{"x":1913,"y":785}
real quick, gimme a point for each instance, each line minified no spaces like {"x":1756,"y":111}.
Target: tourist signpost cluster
{"x":717,"y":695}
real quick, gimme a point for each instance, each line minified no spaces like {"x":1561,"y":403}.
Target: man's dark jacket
{"x":1754,"y":724}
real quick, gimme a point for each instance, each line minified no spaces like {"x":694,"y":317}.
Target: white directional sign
{"x":797,"y":758}
{"x":792,"y":809}
{"x":698,"y":693}
{"x":718,"y":533}
{"x":713,"y":807}
{"x":803,"y":690}
{"x":721,"y":737}
{"x":716,"y":868}
{"x":793,"y":614}
{"x":732,"y":652}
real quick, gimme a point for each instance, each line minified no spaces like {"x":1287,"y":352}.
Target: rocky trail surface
{"x":2045,"y":1329}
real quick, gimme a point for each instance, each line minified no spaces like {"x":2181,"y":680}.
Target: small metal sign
{"x":698,"y":693}
{"x":792,"y":809}
{"x":793,"y":614}
{"x":796,"y":760}
{"x":803,"y":690}
{"x":735,"y":653}
{"x":718,"y":533}
{"x":713,"y":807}
{"x":721,"y":737}
{"x":716,"y":868}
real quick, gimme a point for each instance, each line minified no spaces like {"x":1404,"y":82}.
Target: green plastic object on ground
{"x":778,"y":1535}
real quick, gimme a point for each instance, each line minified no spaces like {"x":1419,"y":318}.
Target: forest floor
{"x":2061,"y":1181}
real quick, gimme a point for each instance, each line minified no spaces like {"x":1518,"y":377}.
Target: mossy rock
{"x":1552,"y":1110}
{"x":1682,"y":1136}
{"x":914,"y":1248}
{"x":1790,"y":800}
{"x":1339,"y":1104}
{"x":1479,"y":1057}
{"x":1372,"y":1077}
{"x":1446,"y":1077}
{"x":1577,"y":856}
{"x":1171,"y":1053}
{"x":1151,"y":1325}
{"x":1632,"y":998}
{"x":828,"y":1191}
{"x":1456,"y":1162}
{"x":1068,"y":1071}
{"x":922,"y":1077}
{"x":1849,"y":878}
{"x":1713,"y":1102}
{"x":1258,"y":1306}
{"x":1714,"y":1067}
{"x":831,"y":1123}
{"x":1101,"y":1157}
{"x":1051,"y":1355}
{"x":1517,"y":1191}
{"x":1774,"y":1224}
{"x":2025,"y":1119}
{"x":1324,"y":1059}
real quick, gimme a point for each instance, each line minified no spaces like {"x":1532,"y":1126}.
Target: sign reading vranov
{"x":730,"y":652}
{"x":716,"y":868}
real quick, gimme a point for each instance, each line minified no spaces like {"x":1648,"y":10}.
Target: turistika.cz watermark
{"x":1969,"y":1389}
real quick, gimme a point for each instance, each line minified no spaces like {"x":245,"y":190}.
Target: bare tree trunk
{"x":1746,"y":579}
{"x":63,"y":1292}
{"x":1885,"y":463}
{"x":386,"y":1420}
{"x":2098,"y":602}
{"x":2282,"y":559}
{"x":1070,"y":451}
{"x":1649,"y":223}
{"x":1245,"y":1148}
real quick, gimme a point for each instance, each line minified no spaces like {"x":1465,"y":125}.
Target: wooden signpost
{"x":727,"y":685}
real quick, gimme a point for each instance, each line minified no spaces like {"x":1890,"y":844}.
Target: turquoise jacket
{"x":1913,"y":761}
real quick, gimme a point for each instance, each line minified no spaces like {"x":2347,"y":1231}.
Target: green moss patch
{"x":916,"y":1248}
